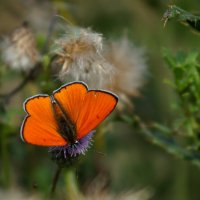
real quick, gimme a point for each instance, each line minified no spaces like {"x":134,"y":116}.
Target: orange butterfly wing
{"x":86,"y":108}
{"x":97,"y":106}
{"x":39,"y":126}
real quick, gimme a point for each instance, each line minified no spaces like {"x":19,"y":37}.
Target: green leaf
{"x":185,"y":17}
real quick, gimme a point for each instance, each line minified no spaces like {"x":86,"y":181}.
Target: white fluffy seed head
{"x":79,"y":53}
{"x":19,"y":50}
{"x":131,"y":69}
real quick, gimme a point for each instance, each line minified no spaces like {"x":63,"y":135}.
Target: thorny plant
{"x":180,"y":136}
{"x":187,"y":18}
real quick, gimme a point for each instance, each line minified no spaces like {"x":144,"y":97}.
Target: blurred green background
{"x":129,"y":161}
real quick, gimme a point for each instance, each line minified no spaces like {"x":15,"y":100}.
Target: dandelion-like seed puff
{"x":131,"y":69}
{"x":80,"y":55}
{"x":19,"y":51}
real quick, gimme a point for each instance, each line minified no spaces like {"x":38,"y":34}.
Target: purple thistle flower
{"x":69,"y":152}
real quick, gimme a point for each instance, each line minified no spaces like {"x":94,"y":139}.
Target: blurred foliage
{"x":186,"y":71}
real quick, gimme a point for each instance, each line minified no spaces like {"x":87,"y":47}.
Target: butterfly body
{"x":65,"y":120}
{"x":66,"y":127}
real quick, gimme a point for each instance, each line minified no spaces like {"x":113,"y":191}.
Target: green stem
{"x":72,"y":185}
{"x":55,"y":180}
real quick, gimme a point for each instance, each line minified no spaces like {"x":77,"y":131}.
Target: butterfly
{"x":67,"y":117}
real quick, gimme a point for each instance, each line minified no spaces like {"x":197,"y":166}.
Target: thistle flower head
{"x":80,"y":55}
{"x":131,"y":69}
{"x":66,"y":154}
{"x":19,"y":50}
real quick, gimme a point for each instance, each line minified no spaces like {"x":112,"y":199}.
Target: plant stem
{"x":18,"y":88}
{"x":55,"y":180}
{"x":72,"y":188}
